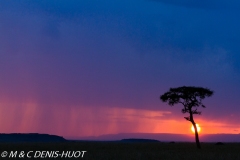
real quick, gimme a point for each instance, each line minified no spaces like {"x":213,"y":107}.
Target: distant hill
{"x":138,"y":140}
{"x":30,"y":137}
{"x":156,"y":136}
{"x":167,"y":137}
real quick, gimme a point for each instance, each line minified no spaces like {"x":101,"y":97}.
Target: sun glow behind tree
{"x":198,"y":128}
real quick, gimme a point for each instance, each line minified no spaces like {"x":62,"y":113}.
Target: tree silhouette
{"x":191,"y":98}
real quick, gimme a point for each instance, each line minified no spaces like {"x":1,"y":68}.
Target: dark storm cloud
{"x":204,"y":4}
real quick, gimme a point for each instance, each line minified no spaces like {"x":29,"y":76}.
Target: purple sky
{"x":82,"y":68}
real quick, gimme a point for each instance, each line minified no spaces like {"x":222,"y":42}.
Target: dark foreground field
{"x":128,"y":150}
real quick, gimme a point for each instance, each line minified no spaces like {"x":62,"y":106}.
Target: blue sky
{"x":118,"y":54}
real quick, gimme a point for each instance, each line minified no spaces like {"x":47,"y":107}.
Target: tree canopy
{"x":189,"y":97}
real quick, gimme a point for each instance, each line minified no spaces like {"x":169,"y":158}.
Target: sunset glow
{"x":198,"y":128}
{"x":80,"y":121}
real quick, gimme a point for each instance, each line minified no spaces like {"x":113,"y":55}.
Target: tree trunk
{"x":196,"y":135}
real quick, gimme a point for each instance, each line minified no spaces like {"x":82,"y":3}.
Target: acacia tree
{"x":191,"y":98}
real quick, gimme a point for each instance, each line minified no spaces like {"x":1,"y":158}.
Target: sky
{"x":87,"y":68}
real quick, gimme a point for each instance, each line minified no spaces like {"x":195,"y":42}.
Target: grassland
{"x":135,"y":151}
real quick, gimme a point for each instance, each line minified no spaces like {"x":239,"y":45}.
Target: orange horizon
{"x":85,"y":121}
